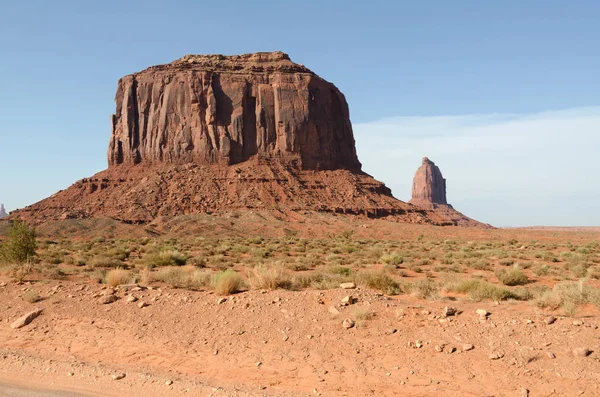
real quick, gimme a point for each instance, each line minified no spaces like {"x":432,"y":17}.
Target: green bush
{"x":512,"y":277}
{"x":21,"y":244}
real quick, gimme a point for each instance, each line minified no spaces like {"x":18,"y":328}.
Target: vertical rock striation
{"x":215,"y":109}
{"x":429,"y":186}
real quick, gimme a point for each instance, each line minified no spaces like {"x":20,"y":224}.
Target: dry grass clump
{"x":424,"y":289}
{"x":270,"y":277}
{"x":512,"y":277}
{"x":117,"y":277}
{"x":227,"y":282}
{"x":31,"y":296}
{"x":105,"y":262}
{"x":188,"y":277}
{"x":569,"y":295}
{"x":478,"y":290}
{"x":164,"y":258}
{"x":378,"y":279}
{"x":393,"y":259}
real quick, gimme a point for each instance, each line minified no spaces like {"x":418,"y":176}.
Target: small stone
{"x":550,"y":320}
{"x":439,"y":348}
{"x":418,"y":344}
{"x":169,"y":382}
{"x":258,"y":363}
{"x":142,"y":305}
{"x":348,"y":323}
{"x":118,"y":376}
{"x":221,"y":301}
{"x":482,"y":312}
{"x":450,"y":350}
{"x":467,"y":346}
{"x":524,"y":392}
{"x":550,"y":355}
{"x":449,"y":311}
{"x":347,"y":285}
{"x":71,"y":373}
{"x":581,"y":352}
{"x":333,"y":310}
{"x":391,"y":331}
{"x":25,"y":319}
{"x":348,"y":300}
{"x":131,"y":299}
{"x":496,"y":356}
{"x":108,"y":299}
{"x":578,"y":323}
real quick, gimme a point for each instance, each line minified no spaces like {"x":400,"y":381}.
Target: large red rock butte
{"x":215,"y":134}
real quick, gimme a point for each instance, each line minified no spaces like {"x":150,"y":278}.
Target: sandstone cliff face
{"x":429,"y":186}
{"x":227,"y":109}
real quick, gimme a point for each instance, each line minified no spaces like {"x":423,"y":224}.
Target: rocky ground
{"x":165,"y":341}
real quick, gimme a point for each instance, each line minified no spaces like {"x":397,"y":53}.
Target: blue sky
{"x":515,"y":83}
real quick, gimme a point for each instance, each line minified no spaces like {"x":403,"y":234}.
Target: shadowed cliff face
{"x":225,"y":110}
{"x":429,"y":186}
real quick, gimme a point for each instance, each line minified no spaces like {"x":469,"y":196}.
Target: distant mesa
{"x":3,"y":213}
{"x":214,"y":134}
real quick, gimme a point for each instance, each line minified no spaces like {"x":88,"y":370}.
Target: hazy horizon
{"x":502,"y":97}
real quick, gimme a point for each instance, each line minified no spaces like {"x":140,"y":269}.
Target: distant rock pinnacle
{"x":429,"y":186}
{"x":3,"y":213}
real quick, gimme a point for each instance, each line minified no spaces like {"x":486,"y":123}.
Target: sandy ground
{"x":289,"y":343}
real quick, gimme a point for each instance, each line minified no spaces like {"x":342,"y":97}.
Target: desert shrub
{"x":227,"y":282}
{"x":569,"y":295}
{"x":164,"y":258}
{"x":117,"y":277}
{"x":424,"y":289}
{"x":341,"y":270}
{"x":105,"y":262}
{"x":478,"y":290}
{"x":393,"y":259}
{"x":512,"y":277}
{"x":21,"y":244}
{"x":507,"y":262}
{"x":187,"y":277}
{"x":270,"y":277}
{"x":541,"y":270}
{"x":379,"y":280}
{"x":363,"y":314}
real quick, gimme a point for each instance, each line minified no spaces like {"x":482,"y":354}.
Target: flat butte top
{"x":258,"y":62}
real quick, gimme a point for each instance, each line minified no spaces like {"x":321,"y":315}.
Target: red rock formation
{"x":226,"y":109}
{"x":3,"y":213}
{"x":212,"y":134}
{"x":429,"y":186}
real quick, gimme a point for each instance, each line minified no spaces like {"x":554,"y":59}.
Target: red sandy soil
{"x":288,"y":343}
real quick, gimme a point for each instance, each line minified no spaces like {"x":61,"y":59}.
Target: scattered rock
{"x":348,"y":323}
{"x":449,"y":350}
{"x":550,"y":320}
{"x":482,"y":313}
{"x":25,"y":319}
{"x":348,"y":300}
{"x":118,"y":376}
{"x":496,"y":356}
{"x":131,"y":299}
{"x":524,"y":392}
{"x":577,"y":323}
{"x":581,"y":352}
{"x":347,"y":285}
{"x":467,"y":346}
{"x":391,"y":331}
{"x":169,"y":382}
{"x":550,"y":355}
{"x":418,"y":344}
{"x":142,"y":305}
{"x":333,"y":310}
{"x":221,"y":300}
{"x":449,"y":311}
{"x":108,"y":299}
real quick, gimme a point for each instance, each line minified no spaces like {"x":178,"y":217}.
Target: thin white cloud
{"x":506,"y":169}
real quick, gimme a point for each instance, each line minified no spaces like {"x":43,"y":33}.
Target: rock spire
{"x":429,"y":186}
{"x":3,"y":213}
